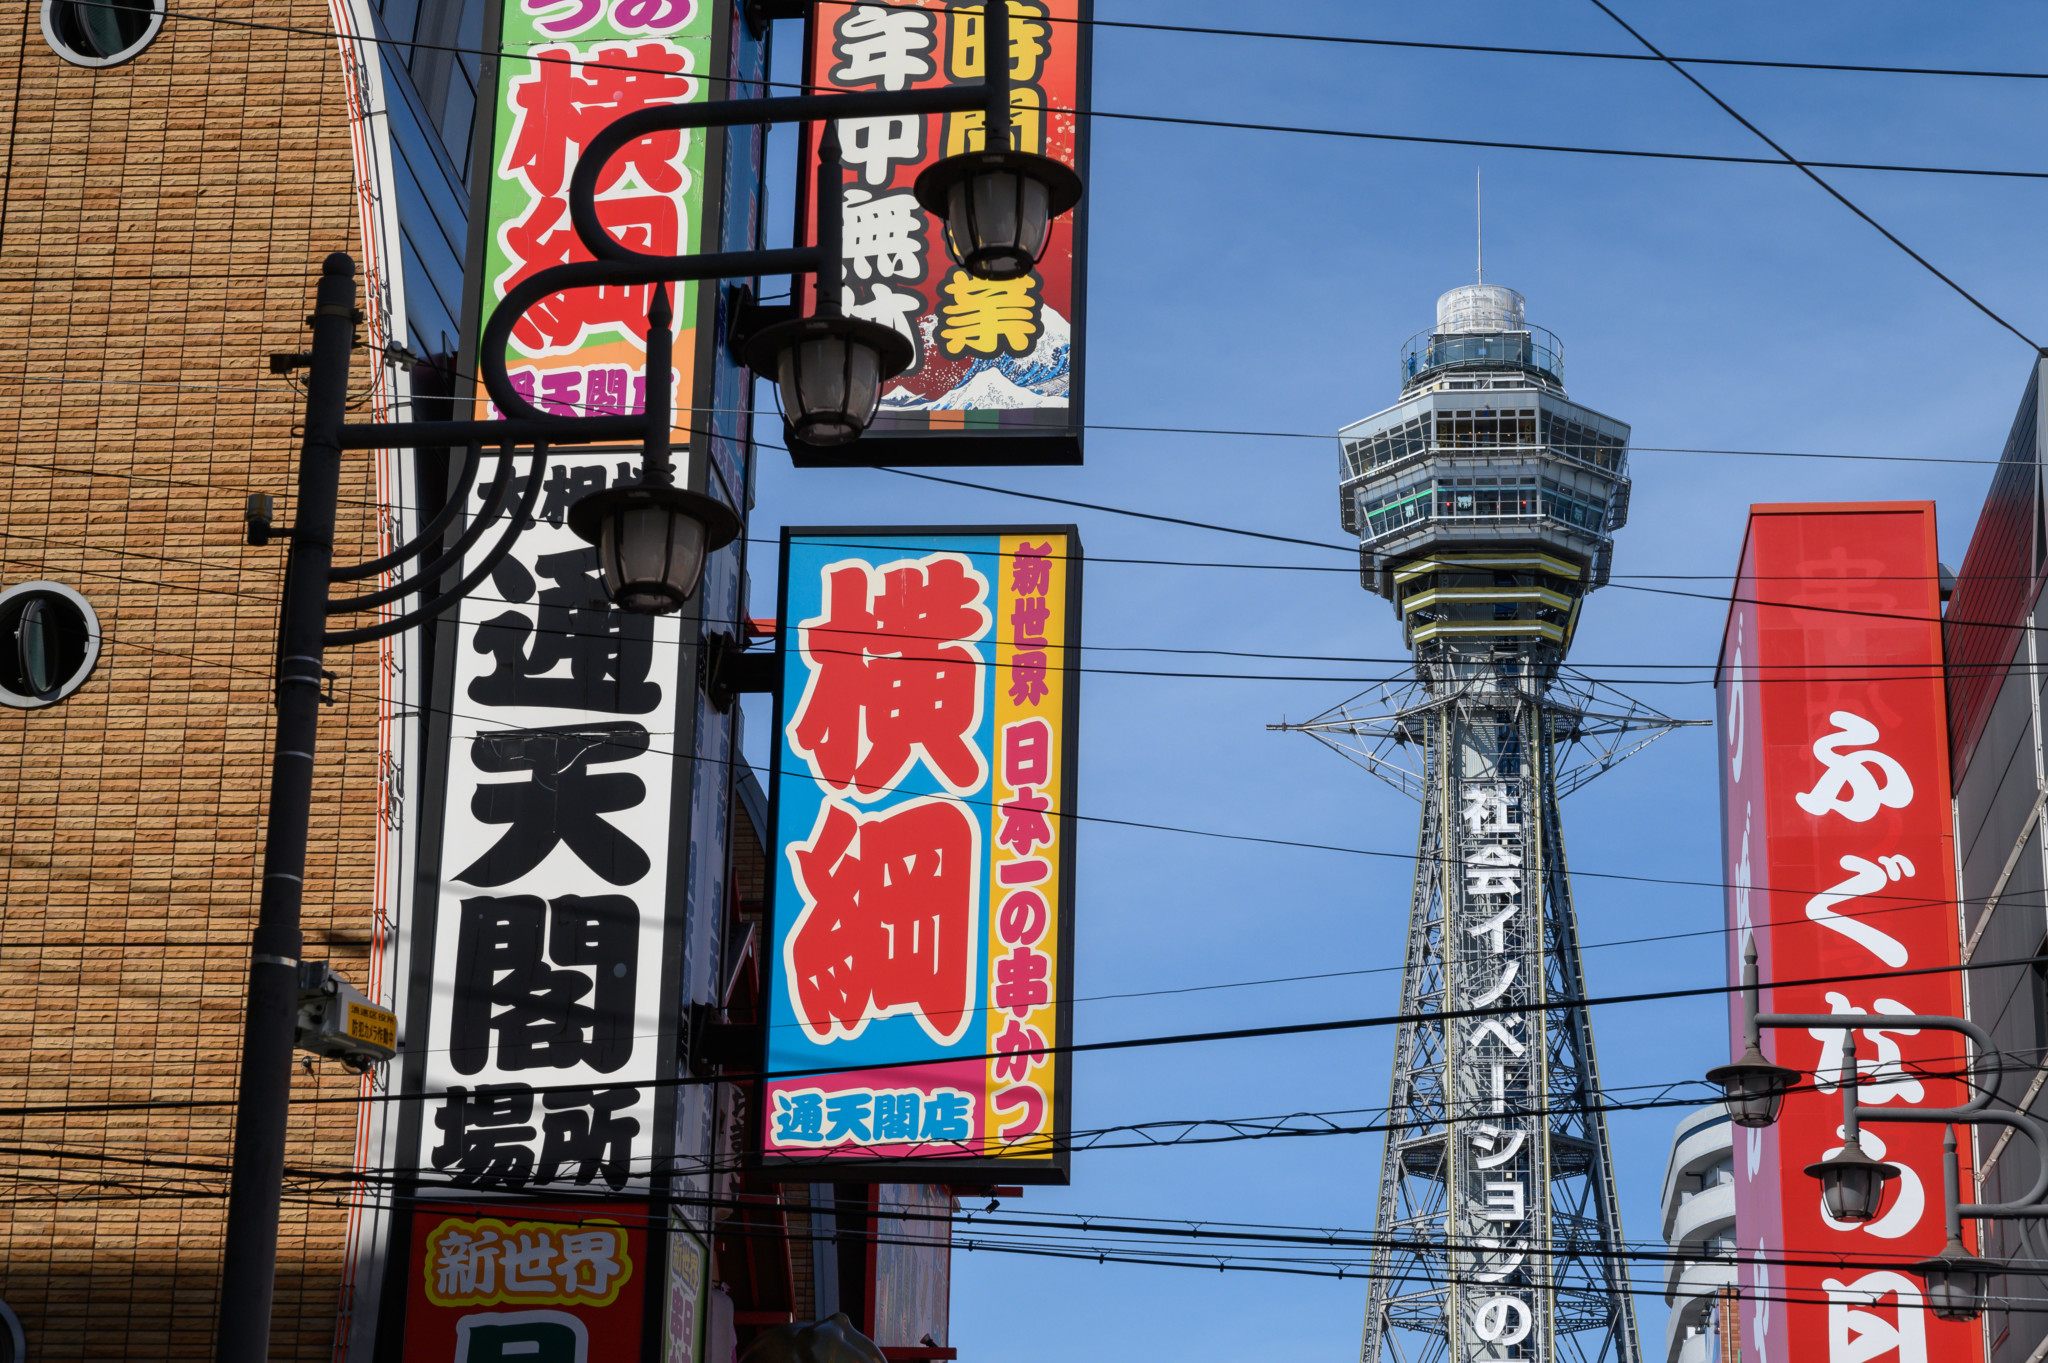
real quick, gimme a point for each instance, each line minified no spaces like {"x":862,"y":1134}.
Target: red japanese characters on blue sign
{"x":922,"y":861}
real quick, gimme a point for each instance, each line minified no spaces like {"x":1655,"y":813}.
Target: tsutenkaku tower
{"x":1485,"y":505}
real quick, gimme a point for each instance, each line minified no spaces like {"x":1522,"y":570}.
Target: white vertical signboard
{"x":554,"y":871}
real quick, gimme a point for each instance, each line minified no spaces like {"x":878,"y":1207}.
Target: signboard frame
{"x":979,"y":437}
{"x":908,"y":542}
{"x":1833,"y":758}
{"x":708,"y":458}
{"x":509,"y":1290}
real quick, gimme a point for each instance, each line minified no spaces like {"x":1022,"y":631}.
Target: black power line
{"x":1806,"y":169}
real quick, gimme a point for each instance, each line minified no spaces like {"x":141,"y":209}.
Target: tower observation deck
{"x":1485,"y":504}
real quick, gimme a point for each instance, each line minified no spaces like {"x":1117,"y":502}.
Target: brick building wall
{"x":162,"y":223}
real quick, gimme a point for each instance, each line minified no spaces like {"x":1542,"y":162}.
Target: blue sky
{"x":1265,"y":282}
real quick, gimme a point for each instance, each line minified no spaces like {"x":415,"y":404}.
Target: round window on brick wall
{"x":101,"y":32}
{"x":49,"y":643}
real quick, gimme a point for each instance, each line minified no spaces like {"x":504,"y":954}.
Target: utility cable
{"x":1333,"y":39}
{"x":335,"y":36}
{"x":1434,"y":1018}
{"x":1043,"y":1229}
{"x":1807,"y":170}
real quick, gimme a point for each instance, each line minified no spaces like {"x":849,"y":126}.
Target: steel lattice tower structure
{"x":1485,"y":505}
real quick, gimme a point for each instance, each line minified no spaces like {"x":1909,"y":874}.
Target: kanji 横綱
{"x":894,"y":673}
{"x":570,"y":97}
{"x":889,"y":919}
{"x":573,"y":95}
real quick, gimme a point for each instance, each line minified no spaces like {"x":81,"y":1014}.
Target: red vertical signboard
{"x":996,"y":377}
{"x":1836,"y":831}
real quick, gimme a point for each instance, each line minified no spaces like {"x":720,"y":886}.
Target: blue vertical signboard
{"x":921,"y":947}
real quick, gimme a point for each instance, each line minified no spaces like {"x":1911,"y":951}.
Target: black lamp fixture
{"x":997,"y":203}
{"x":1753,"y":1088}
{"x":997,"y":207}
{"x":829,"y":370}
{"x":1957,"y":1280}
{"x":1852,"y":1184}
{"x":652,"y":537}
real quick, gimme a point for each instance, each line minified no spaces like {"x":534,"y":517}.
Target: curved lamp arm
{"x":991,"y":96}
{"x":1987,"y":1069}
{"x":413,"y":547}
{"x":495,"y":497}
{"x":429,"y":610}
{"x":1987,"y":1066}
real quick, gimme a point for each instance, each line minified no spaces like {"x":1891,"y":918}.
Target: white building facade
{"x":1699,"y":1225}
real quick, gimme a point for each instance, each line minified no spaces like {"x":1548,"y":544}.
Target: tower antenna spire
{"x":1478,"y":227}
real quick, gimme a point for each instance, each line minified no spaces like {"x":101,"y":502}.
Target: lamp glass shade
{"x":997,"y":222}
{"x":998,"y":207}
{"x":1852,"y":1193}
{"x":651,"y":541}
{"x":829,"y":370}
{"x":652,"y":557}
{"x":1957,"y":1283}
{"x":1753,"y":1089}
{"x":1852,"y":1184}
{"x":830,"y":386}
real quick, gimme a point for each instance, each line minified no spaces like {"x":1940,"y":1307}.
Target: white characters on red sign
{"x":1857,"y":1333}
{"x":1736,"y":706}
{"x":1760,"y":1308}
{"x":884,"y":47}
{"x":1851,"y":786}
{"x":1876,"y":1318}
{"x":1881,"y":1079}
{"x":1867,"y":877}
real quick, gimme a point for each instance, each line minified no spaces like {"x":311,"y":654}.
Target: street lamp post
{"x":1852,"y":1183}
{"x":651,"y":536}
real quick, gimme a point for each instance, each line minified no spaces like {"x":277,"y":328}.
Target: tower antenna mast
{"x":1478,"y":227}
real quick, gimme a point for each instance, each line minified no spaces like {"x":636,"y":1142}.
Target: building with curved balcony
{"x":1699,"y":1225}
